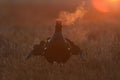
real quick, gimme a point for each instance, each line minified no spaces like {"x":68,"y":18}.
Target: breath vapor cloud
{"x":69,"y":18}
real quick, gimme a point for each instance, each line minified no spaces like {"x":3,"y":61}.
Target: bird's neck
{"x":58,"y":28}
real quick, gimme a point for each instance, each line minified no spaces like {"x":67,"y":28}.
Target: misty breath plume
{"x":70,"y":18}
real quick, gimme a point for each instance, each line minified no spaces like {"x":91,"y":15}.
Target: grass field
{"x":99,"y":42}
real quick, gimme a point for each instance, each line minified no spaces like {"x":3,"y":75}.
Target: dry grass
{"x":100,"y":60}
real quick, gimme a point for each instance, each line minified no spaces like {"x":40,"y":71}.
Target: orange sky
{"x":40,"y":14}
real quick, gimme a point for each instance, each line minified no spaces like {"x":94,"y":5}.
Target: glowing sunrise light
{"x":106,"y":6}
{"x":113,"y":0}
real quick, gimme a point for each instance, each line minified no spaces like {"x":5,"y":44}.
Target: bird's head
{"x":58,"y":27}
{"x":59,"y":21}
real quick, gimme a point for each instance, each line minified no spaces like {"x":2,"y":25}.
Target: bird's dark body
{"x":56,"y":48}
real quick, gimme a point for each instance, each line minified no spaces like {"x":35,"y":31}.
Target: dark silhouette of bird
{"x":56,"y":48}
